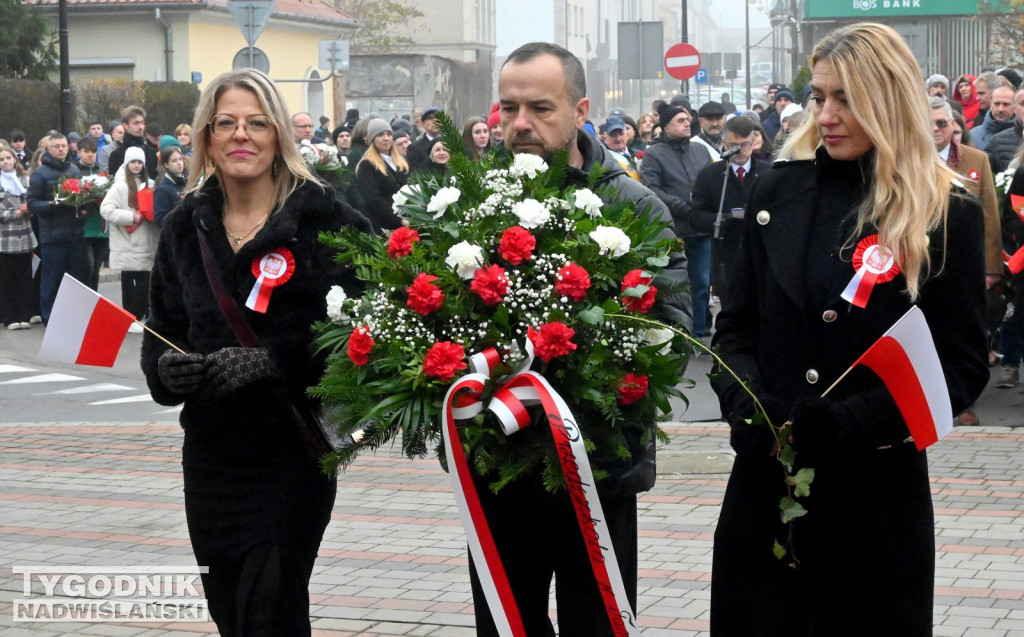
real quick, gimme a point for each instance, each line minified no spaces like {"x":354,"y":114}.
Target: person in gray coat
{"x":670,"y":169}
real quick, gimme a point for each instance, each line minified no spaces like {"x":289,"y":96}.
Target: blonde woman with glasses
{"x":239,"y":279}
{"x":860,"y":174}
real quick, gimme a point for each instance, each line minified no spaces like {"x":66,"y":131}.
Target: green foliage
{"x":32,"y":106}
{"x":392,"y":397}
{"x":384,"y":24}
{"x":801,"y":80}
{"x":170,"y":103}
{"x":28,"y":49}
{"x":1005,"y":21}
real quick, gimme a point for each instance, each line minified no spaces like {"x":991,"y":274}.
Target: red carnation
{"x":632,"y":388}
{"x":553,"y":340}
{"x":643,"y":303}
{"x":424,"y":297}
{"x":400,"y":242}
{"x":573,"y":282}
{"x":517,"y":245}
{"x":72,"y":185}
{"x":443,"y":360}
{"x":359,"y":345}
{"x":490,"y":283}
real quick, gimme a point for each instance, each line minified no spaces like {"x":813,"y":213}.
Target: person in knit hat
{"x":380,"y":174}
{"x":494,"y":124}
{"x":773,"y":123}
{"x":937,"y":86}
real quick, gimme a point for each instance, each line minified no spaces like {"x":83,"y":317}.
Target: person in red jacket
{"x":968,"y":97}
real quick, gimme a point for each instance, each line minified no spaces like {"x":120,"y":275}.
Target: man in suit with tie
{"x":709,"y":208}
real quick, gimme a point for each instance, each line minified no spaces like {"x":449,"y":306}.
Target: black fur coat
{"x":185,"y":311}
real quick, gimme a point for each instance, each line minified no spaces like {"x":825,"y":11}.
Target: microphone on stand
{"x":726,"y":154}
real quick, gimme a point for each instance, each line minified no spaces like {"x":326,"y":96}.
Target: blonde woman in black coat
{"x":866,"y":548}
{"x":380,"y":174}
{"x":256,"y":500}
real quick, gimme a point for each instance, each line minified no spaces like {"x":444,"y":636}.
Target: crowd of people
{"x":773,"y":205}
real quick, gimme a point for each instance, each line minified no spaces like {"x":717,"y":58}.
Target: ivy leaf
{"x":791,"y":509}
{"x":593,"y":315}
{"x":636,"y":291}
{"x":779,"y":551}
{"x":786,"y":456}
{"x":802,"y":482}
{"x":610,"y":306}
{"x":658,"y":262}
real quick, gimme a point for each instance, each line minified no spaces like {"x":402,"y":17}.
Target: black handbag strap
{"x":317,"y":440}
{"x":228,"y":306}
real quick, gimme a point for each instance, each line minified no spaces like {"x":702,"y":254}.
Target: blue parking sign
{"x":701,"y":77}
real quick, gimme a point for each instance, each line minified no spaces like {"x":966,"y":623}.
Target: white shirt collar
{"x":944,"y":153}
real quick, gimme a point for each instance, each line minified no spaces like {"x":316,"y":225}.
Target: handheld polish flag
{"x":1016,"y":262}
{"x":906,"y":361}
{"x":84,"y":327}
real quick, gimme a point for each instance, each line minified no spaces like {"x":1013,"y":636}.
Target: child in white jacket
{"x":133,"y":236}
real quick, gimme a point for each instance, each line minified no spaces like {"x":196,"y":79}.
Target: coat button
{"x":829,"y":315}
{"x":811,"y":376}
{"x":764,"y":217}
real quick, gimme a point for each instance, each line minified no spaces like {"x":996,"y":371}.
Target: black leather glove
{"x":755,"y":439}
{"x":817,"y":431}
{"x":181,"y":373}
{"x":234,"y":367}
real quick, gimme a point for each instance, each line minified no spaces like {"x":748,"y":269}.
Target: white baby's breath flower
{"x":588,"y":201}
{"x":612,"y":240}
{"x":465,"y":258}
{"x":527,"y":164}
{"x":531,"y":213}
{"x":336,"y":297}
{"x":442,"y":199}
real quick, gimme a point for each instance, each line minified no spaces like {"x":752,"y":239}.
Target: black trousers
{"x":135,"y":292}
{"x":538,"y":537}
{"x":97,"y":252}
{"x":16,"y":304}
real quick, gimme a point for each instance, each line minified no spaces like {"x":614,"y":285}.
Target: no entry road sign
{"x":682,"y":61}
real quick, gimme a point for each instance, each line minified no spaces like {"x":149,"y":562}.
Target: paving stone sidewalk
{"x":393,"y":561}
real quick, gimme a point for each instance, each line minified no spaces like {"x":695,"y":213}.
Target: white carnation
{"x":588,"y":201}
{"x":612,"y":240}
{"x":401,"y":197}
{"x":336,"y":298}
{"x":527,"y":164}
{"x":531,"y":213}
{"x":657,"y":336}
{"x":442,"y":199}
{"x":465,"y":258}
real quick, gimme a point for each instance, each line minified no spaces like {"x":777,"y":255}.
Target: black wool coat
{"x":377,"y":190}
{"x":248,"y":478}
{"x":703,"y":212}
{"x":866,"y":547}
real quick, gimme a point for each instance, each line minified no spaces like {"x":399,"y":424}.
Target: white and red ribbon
{"x":271,"y":270}
{"x":874,"y":264}
{"x":509,"y":404}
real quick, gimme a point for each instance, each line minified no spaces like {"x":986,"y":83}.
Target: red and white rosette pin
{"x":874,"y":264}
{"x":271,"y":270}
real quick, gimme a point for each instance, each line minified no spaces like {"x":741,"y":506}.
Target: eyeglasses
{"x":256,"y":127}
{"x":744,"y":145}
{"x":941,"y":124}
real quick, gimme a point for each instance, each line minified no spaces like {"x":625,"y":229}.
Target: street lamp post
{"x":747,"y":56}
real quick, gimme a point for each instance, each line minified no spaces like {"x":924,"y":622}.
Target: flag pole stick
{"x":150,"y":330}
{"x":833,"y":386}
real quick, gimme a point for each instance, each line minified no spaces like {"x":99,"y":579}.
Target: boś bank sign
{"x":876,"y":8}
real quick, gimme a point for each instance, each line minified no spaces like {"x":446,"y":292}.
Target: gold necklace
{"x":236,"y":240}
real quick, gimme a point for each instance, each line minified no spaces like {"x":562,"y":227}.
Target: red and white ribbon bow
{"x":521,"y":389}
{"x":271,"y":270}
{"x":874,"y":264}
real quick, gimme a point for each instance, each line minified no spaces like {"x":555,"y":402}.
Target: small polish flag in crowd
{"x":84,"y":327}
{"x":906,"y":361}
